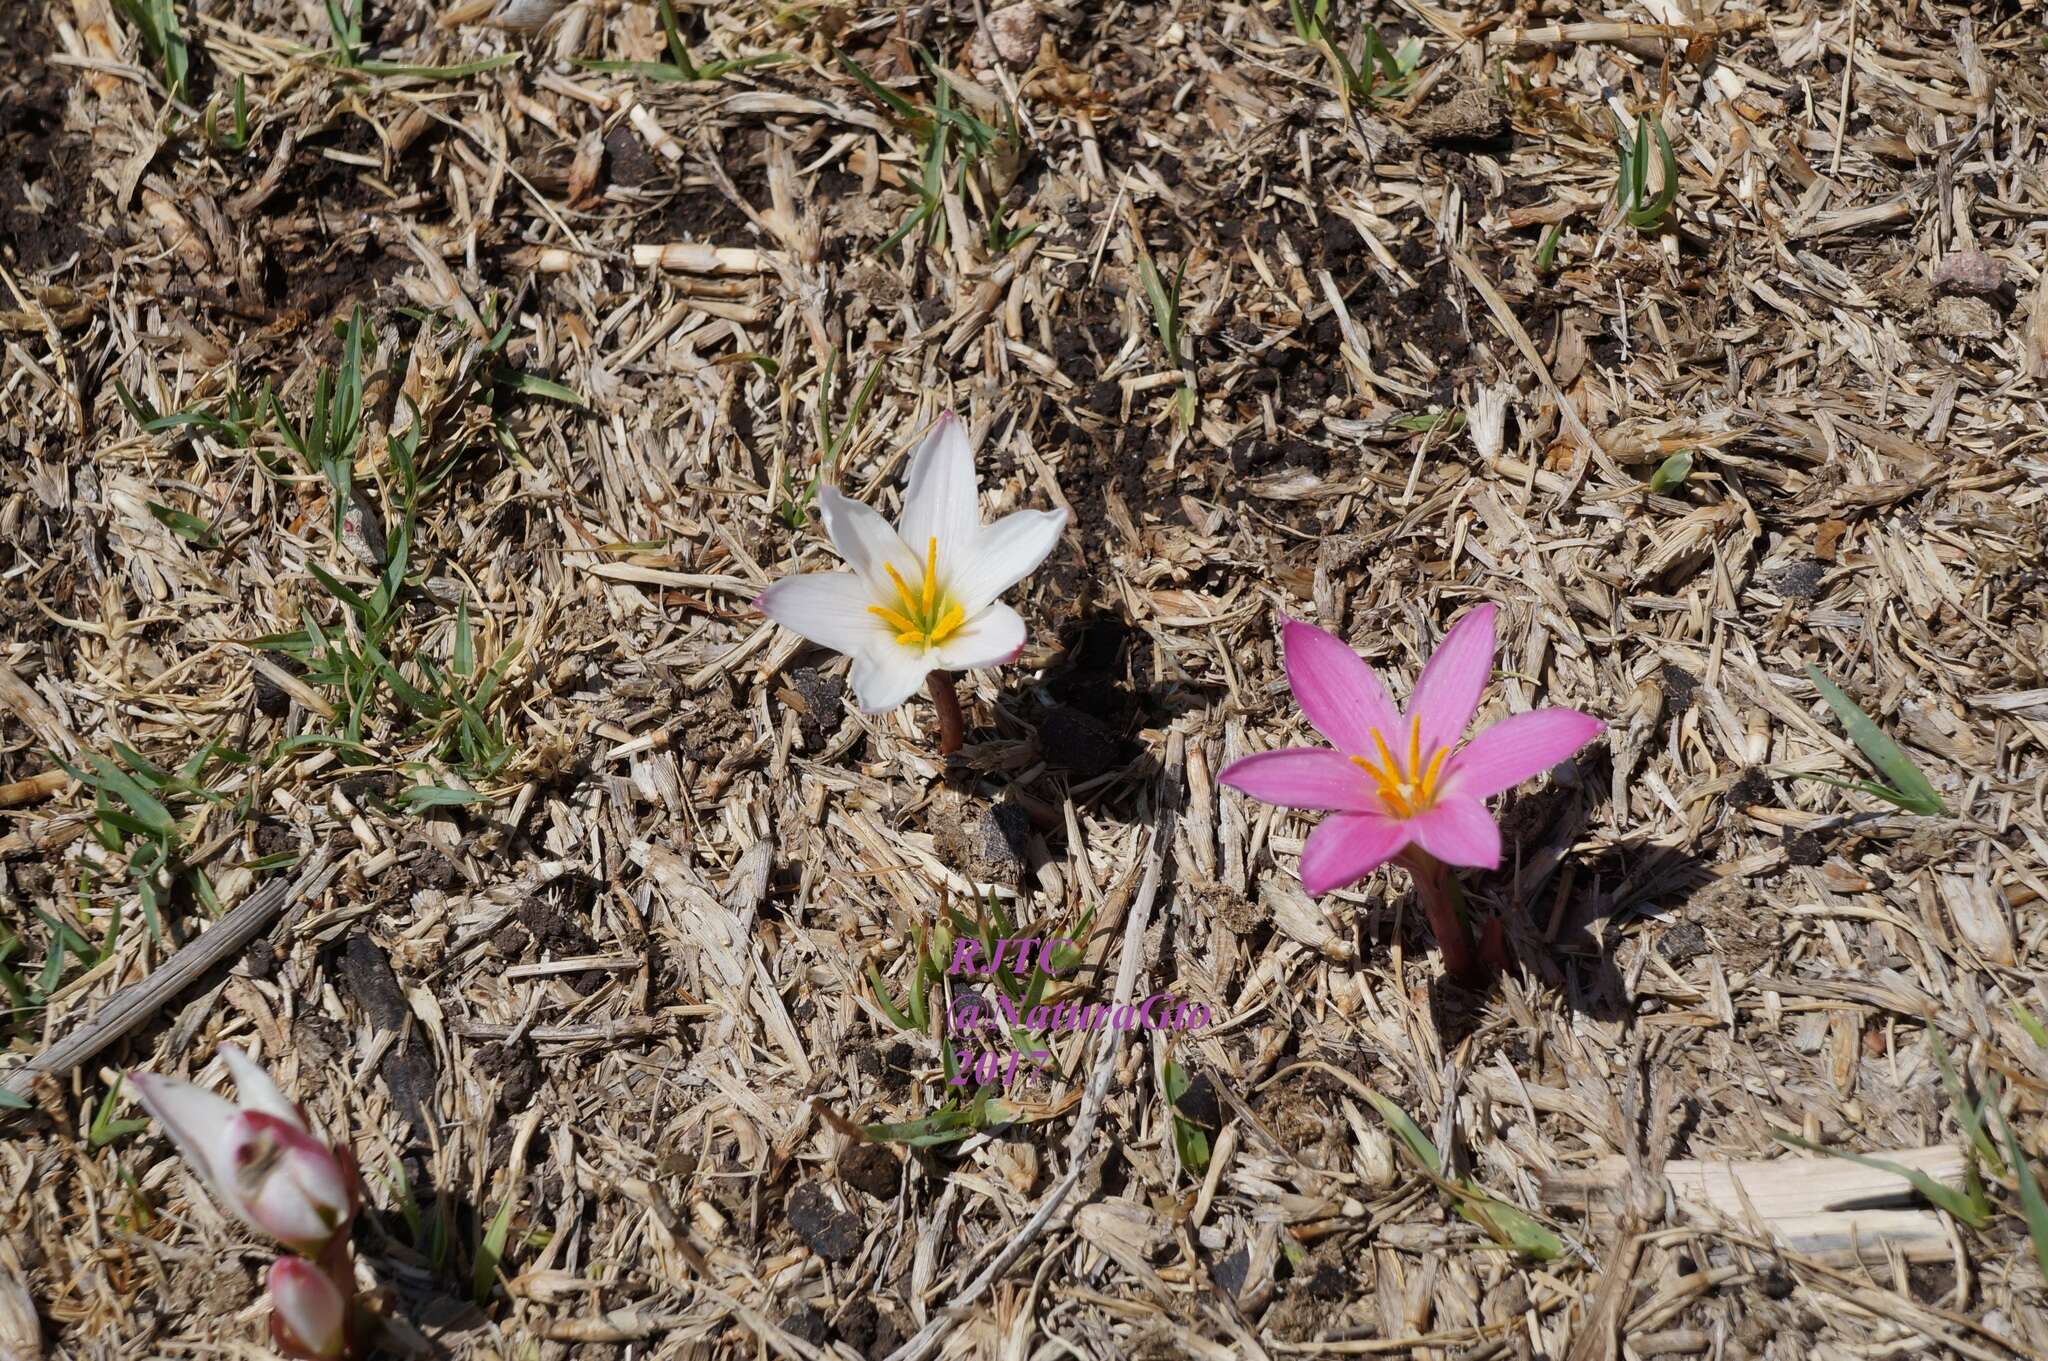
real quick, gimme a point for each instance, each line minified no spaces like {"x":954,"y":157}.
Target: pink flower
{"x":258,"y":1157}
{"x":1399,"y":781}
{"x":308,"y":1311}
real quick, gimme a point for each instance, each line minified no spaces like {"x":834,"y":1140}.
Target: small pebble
{"x":1970,"y":271}
{"x":1014,"y":31}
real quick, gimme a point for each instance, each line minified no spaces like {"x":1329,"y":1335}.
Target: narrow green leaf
{"x":896,"y":1017}
{"x":948,"y":1126}
{"x":463,"y":663}
{"x":484,"y":1277}
{"x":1409,"y":1132}
{"x":1509,"y":1226}
{"x":438,"y":796}
{"x":1912,"y":789}
{"x":1946,"y":1197}
{"x":455,"y":72}
{"x":123,"y":786}
{"x":2033,"y":1205}
{"x":895,"y":103}
{"x":532,"y":385}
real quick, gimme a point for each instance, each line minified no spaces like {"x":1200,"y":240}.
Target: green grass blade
{"x":1976,"y":1215}
{"x":894,"y":102}
{"x":484,"y":1276}
{"x":438,"y":796}
{"x":185,"y":525}
{"x":2033,"y":1205}
{"x":1648,"y":216}
{"x":1912,"y":790}
{"x":896,"y":1017}
{"x":1419,"y":1144}
{"x":463,"y":663}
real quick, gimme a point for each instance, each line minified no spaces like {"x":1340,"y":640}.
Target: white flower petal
{"x":1008,"y":551}
{"x":829,"y":608}
{"x":198,"y":1123}
{"x":939,"y":494}
{"x":866,"y":541}
{"x":990,"y":638}
{"x":255,"y":1090}
{"x":883,"y":677}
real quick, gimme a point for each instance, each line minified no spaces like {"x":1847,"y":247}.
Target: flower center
{"x":926,"y":616}
{"x":1405,"y":789}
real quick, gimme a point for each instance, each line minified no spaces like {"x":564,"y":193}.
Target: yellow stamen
{"x":1410,"y":788}
{"x":926,"y":616}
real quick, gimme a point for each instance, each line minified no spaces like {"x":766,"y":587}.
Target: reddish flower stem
{"x":1443,"y":902}
{"x":952,"y":732}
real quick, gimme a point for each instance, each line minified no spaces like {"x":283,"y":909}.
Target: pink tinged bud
{"x":287,"y":1183}
{"x":258,"y":1159}
{"x":309,"y":1312}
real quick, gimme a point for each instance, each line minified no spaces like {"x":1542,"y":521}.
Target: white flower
{"x":922,"y":599}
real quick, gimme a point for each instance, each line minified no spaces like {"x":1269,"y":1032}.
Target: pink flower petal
{"x":1302,"y":777}
{"x":1517,"y":748}
{"x":1346,"y":847}
{"x":1458,"y":831}
{"x":1447,"y":693}
{"x":1337,"y":691}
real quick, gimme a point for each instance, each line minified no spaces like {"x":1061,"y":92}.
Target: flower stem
{"x":1443,"y":902}
{"x":947,"y":701}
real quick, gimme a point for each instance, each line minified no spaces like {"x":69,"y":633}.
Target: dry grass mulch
{"x":577,"y":868}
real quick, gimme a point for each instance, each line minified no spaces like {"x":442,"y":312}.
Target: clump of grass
{"x":328,"y":438}
{"x":973,"y":1104}
{"x":1645,"y":212}
{"x":1167,"y":321}
{"x":831,"y":439}
{"x":156,"y":24}
{"x":235,"y":420}
{"x":681,"y":66}
{"x":145,"y":819}
{"x":953,"y":145}
{"x":228,"y":139}
{"x":133,"y":802}
{"x":345,"y":23}
{"x":1373,"y":71}
{"x":447,"y":702}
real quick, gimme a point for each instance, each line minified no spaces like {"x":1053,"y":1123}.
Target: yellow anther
{"x":926,"y":616}
{"x":1406,"y":789}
